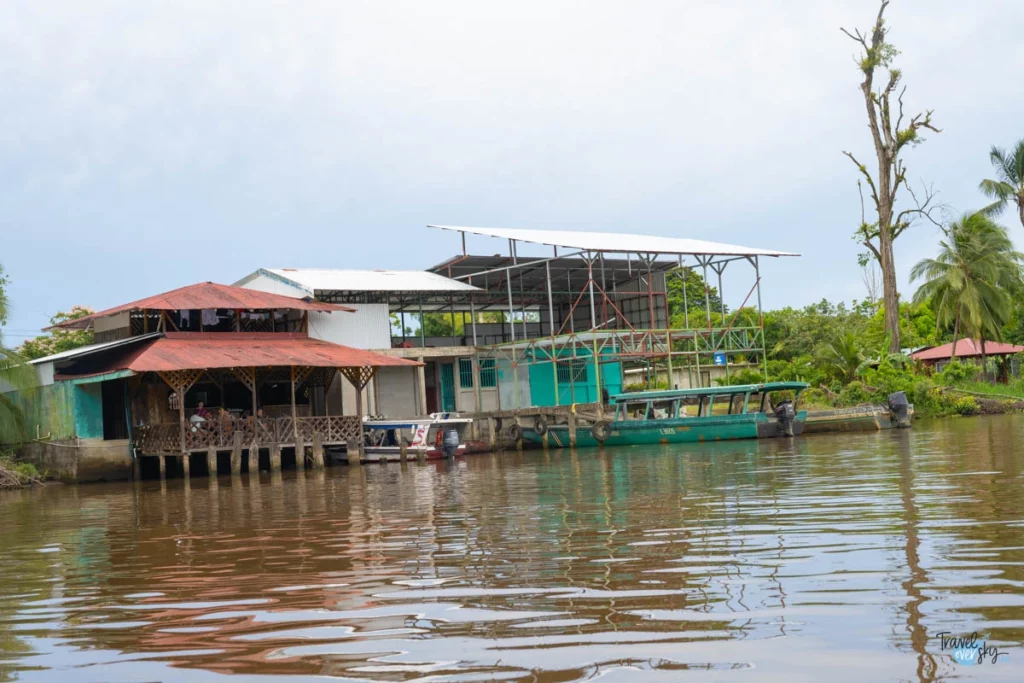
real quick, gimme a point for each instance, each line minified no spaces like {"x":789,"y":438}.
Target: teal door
{"x":447,"y":387}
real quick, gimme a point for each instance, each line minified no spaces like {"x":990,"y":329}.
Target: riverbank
{"x":15,"y":474}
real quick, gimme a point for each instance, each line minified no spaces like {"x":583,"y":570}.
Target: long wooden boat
{"x":855,"y":419}
{"x":748,"y":411}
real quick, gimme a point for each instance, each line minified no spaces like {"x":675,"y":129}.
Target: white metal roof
{"x":333,"y":280}
{"x":93,"y":348}
{"x":618,"y":242}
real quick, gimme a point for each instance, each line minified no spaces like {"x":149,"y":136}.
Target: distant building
{"x":937,"y":357}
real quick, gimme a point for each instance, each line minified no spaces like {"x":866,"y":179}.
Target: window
{"x":572,"y":371}
{"x":633,"y":410}
{"x":488,"y":378}
{"x":465,"y":373}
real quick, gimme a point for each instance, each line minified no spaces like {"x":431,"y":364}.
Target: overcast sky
{"x":149,"y":145}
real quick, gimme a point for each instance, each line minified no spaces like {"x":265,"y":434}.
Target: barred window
{"x":572,"y":371}
{"x":488,"y":377}
{"x":465,"y":373}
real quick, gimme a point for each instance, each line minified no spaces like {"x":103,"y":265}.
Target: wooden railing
{"x":153,"y":439}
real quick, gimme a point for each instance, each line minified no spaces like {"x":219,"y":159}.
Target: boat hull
{"x":861,"y":418}
{"x":684,"y":430}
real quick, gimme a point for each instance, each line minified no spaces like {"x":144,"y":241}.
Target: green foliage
{"x":841,"y":357}
{"x":744,"y":376}
{"x":853,"y":394}
{"x":815,"y":399}
{"x":956,"y":373}
{"x":634,"y":387}
{"x":971,"y":283}
{"x":59,"y":340}
{"x":696,"y":301}
{"x":15,"y":473}
{"x":1008,"y":186}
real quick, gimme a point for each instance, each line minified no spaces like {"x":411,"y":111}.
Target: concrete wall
{"x":81,"y":460}
{"x":398,"y":392}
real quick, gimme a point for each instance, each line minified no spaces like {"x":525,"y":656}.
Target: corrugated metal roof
{"x":93,"y":348}
{"x":210,"y":350}
{"x":618,"y":242}
{"x":966,"y":348}
{"x":332,"y":280}
{"x":208,"y":295}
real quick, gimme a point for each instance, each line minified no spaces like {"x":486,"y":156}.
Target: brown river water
{"x":832,"y":557}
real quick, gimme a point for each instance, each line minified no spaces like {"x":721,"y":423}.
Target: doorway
{"x":447,"y":387}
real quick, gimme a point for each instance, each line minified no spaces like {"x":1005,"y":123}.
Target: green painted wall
{"x":542,"y":379}
{"x":48,"y":411}
{"x":89,"y":411}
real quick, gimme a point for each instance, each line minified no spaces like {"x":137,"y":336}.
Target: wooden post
{"x":186,"y":464}
{"x":275,"y":458}
{"x":136,"y":468}
{"x":519,"y":436}
{"x":254,"y":457}
{"x":352,"y":451}
{"x":403,"y":449}
{"x":492,"y":434}
{"x":163,"y":467}
{"x":318,"y":451}
{"x":236,"y":454}
{"x":421,"y":388}
{"x":211,"y":461}
{"x":572,"y":428}
{"x":300,"y":454}
{"x":544,"y":439}
{"x":255,"y":387}
{"x":295,"y":415}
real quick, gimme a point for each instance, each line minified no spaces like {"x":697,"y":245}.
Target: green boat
{"x":746,"y":411}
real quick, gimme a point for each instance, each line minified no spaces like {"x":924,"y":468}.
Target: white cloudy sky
{"x":145,"y":146}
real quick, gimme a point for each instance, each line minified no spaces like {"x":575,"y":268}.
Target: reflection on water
{"x":838,"y":557}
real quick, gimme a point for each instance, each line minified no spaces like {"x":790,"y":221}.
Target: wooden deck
{"x":165,"y":439}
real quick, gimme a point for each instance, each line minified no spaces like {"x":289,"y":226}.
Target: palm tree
{"x":971,"y":283}
{"x":1009,"y":186}
{"x":842,"y":356}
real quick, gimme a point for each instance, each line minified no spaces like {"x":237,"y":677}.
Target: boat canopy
{"x":710,"y":391}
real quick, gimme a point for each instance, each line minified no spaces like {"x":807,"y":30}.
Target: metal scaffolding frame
{"x":612,"y":335}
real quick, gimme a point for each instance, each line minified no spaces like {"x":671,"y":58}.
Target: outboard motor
{"x":450,"y":443}
{"x":785,"y":413}
{"x":899,"y":408}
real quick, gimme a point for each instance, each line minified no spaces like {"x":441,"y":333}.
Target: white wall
{"x":369,"y":327}
{"x":398,"y":391}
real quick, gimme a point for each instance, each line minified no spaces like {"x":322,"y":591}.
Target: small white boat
{"x":436,"y":436}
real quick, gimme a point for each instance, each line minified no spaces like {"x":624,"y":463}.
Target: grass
{"x":14,"y":474}
{"x":1014,"y":389}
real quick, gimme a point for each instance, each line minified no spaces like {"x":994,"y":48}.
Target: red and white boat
{"x":435,"y":436}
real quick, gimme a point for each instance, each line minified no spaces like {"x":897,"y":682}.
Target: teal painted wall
{"x":47,"y":411}
{"x":88,"y":411}
{"x":542,"y":379}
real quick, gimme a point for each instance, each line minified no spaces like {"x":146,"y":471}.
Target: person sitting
{"x":201,"y":411}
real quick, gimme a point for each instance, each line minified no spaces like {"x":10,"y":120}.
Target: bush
{"x":14,"y":473}
{"x":744,"y":376}
{"x":853,"y":393}
{"x":642,"y":386}
{"x":815,"y":398}
{"x":956,"y":373}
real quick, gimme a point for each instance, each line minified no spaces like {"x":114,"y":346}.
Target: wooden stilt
{"x":254,"y":458}
{"x":300,"y":454}
{"x":572,"y":429}
{"x":275,"y":458}
{"x":403,"y":448}
{"x":211,"y":461}
{"x":352,"y":451}
{"x":163,"y":467}
{"x":519,"y":433}
{"x":186,"y":464}
{"x":318,"y":451}
{"x":236,"y":454}
{"x":136,"y":468}
{"x":492,"y":434}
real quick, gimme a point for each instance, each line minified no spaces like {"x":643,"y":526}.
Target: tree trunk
{"x":956,"y":336}
{"x":1020,"y":209}
{"x":984,"y":365}
{"x":890,"y":296}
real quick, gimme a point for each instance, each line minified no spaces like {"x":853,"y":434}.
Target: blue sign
{"x":719,"y":359}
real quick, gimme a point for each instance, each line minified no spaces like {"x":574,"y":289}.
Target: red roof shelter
{"x":966,"y":348}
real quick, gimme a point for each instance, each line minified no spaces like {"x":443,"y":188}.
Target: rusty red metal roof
{"x":210,"y":350}
{"x":966,"y":348}
{"x":208,"y":295}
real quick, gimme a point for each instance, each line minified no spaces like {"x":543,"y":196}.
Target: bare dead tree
{"x":891,"y":133}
